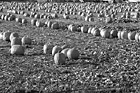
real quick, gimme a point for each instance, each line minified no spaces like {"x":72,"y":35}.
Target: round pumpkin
{"x":113,"y":33}
{"x":124,"y":35}
{"x":95,"y":31}
{"x":131,"y":35}
{"x":26,"y":40}
{"x":137,"y":37}
{"x":119,"y":34}
{"x":55,"y":25}
{"x":64,"y":46}
{"x":64,"y":51}
{"x":6,"y":36}
{"x":59,"y":59}
{"x":49,"y":24}
{"x":56,"y":49}
{"x":39,"y":24}
{"x":104,"y":33}
{"x":73,"y":53}
{"x":17,"y":50}
{"x":47,"y":48}
{"x":13,"y":34}
{"x":1,"y":35}
{"x":84,"y":29}
{"x":33,"y":22}
{"x":89,"y":30}
{"x":16,"y":41}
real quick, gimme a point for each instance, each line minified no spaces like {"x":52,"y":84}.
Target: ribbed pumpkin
{"x":137,"y":36}
{"x":47,"y":48}
{"x":6,"y":36}
{"x":124,"y":35}
{"x":131,"y":35}
{"x":26,"y":40}
{"x":59,"y":59}
{"x":95,"y":31}
{"x":73,"y":53}
{"x":17,"y":50}
{"x":16,"y":41}
{"x":84,"y":29}
{"x":104,"y":33}
{"x":13,"y":34}
{"x":113,"y":33}
{"x":56,"y":49}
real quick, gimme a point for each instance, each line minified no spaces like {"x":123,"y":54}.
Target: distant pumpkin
{"x":6,"y":36}
{"x":131,"y":35}
{"x":84,"y":29}
{"x":124,"y":35}
{"x":47,"y":48}
{"x":137,"y":37}
{"x":26,"y":40}
{"x":55,"y":25}
{"x":13,"y":34}
{"x":104,"y":33}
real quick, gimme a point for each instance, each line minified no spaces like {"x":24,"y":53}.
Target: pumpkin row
{"x":59,"y":53}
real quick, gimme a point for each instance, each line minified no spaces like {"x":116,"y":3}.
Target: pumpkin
{"x":89,"y":30}
{"x":33,"y":22}
{"x":13,"y":34}
{"x":56,"y":49}
{"x":72,"y":27}
{"x":104,"y":33}
{"x":131,"y":35}
{"x":47,"y":48}
{"x":49,"y":24}
{"x":55,"y":25}
{"x":73,"y":53}
{"x":113,"y":33}
{"x":26,"y":40}
{"x":18,"y":20}
{"x":64,"y":46}
{"x":1,"y":35}
{"x":137,"y":37}
{"x":84,"y":29}
{"x":24,"y":21}
{"x":6,"y":36}
{"x":17,"y":50}
{"x":64,"y":51}
{"x":95,"y":31}
{"x":39,"y":24}
{"x":16,"y":41}
{"x":59,"y":59}
{"x":124,"y":35}
{"x":65,"y":16}
{"x":91,"y":19}
{"x":119,"y":34}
